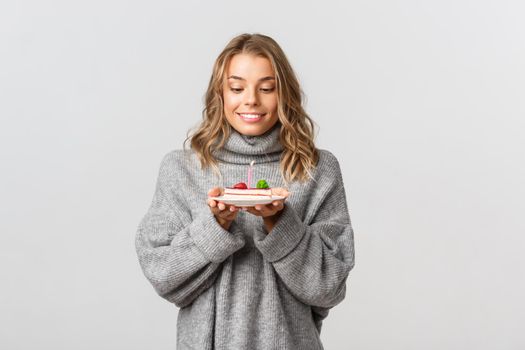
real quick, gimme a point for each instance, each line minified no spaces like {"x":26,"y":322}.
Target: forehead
{"x":249,"y":67}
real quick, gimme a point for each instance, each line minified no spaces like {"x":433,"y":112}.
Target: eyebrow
{"x":239,"y":78}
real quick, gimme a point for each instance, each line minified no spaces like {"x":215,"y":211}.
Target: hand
{"x":224,"y":214}
{"x":270,"y":212}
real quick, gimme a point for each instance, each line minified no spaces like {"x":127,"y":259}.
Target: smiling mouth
{"x":251,"y":117}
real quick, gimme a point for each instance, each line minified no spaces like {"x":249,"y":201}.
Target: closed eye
{"x":239,"y":90}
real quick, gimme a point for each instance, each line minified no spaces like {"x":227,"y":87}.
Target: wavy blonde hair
{"x":300,"y":156}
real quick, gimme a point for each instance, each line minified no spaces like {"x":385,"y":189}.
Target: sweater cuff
{"x":284,"y":237}
{"x":213,"y":240}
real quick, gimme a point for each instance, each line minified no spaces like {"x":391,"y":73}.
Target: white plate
{"x":246,"y":201}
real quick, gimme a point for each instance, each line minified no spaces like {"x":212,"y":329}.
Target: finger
{"x":264,"y":210}
{"x":280,"y":191}
{"x":227,"y":215}
{"x":232,"y":216}
{"x":216,"y":213}
{"x":252,"y":211}
{"x":221,"y":206}
{"x":212,"y":203}
{"x":215,"y":191}
{"x":276,"y":206}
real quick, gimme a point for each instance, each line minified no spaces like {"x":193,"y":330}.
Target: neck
{"x":242,"y":149}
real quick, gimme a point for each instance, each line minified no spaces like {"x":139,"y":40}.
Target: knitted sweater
{"x":246,"y":288}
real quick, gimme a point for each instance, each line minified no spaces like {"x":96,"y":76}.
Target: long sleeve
{"x":180,"y":258}
{"x":314,"y":259}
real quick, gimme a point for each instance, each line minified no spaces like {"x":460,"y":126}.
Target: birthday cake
{"x":241,"y":189}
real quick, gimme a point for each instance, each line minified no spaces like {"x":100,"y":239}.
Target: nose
{"x":251,"y":98}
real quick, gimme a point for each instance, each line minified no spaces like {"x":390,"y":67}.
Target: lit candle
{"x":250,"y":171}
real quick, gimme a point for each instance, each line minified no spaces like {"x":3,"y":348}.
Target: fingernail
{"x":275,"y":204}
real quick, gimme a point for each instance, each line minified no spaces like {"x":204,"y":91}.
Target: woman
{"x":264,"y":277}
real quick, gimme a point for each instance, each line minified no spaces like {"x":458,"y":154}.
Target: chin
{"x":249,"y":132}
{"x":252,"y":131}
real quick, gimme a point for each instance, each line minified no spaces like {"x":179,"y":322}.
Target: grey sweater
{"x":245,"y":288}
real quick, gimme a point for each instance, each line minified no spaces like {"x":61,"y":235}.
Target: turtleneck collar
{"x":242,"y":149}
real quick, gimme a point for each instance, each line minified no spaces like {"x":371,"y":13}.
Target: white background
{"x":421,"y":101}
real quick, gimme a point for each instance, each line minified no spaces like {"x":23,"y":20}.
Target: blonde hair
{"x":300,"y":156}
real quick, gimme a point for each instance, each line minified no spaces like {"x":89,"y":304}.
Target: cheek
{"x":272,"y":105}
{"x":231,"y":102}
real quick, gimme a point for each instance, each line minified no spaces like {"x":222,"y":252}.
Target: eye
{"x":239,"y":90}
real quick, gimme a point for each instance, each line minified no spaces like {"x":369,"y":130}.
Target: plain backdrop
{"x":422,"y":102}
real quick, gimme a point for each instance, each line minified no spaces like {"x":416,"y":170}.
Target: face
{"x":250,"y":95}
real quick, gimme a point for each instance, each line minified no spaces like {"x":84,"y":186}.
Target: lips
{"x":251,"y":117}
